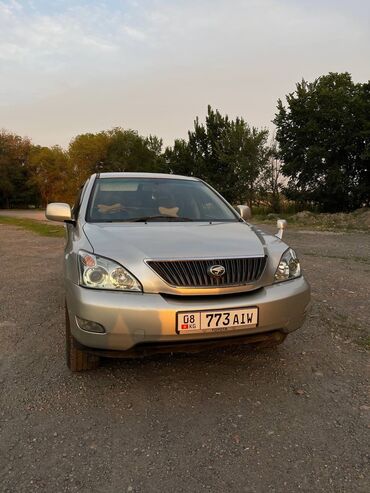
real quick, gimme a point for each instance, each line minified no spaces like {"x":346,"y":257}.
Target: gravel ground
{"x":285,"y":420}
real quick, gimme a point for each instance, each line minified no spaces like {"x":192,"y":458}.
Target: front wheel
{"x":78,"y":360}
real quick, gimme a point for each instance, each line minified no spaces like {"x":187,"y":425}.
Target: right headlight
{"x":103,"y":273}
{"x":289,"y":266}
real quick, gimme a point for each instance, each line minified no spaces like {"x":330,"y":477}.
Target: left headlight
{"x":102,"y":273}
{"x":289,"y":266}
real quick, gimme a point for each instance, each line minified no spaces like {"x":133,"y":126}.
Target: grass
{"x":365,"y":343}
{"x":351,"y":222}
{"x":38,"y":227}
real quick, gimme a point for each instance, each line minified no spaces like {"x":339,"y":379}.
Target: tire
{"x":76,"y":359}
{"x":272,"y":342}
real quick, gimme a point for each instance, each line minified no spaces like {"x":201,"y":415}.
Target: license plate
{"x":216,"y":320}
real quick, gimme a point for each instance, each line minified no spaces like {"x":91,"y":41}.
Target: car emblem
{"x":216,"y":270}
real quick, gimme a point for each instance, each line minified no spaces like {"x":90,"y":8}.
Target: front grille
{"x":195,"y":273}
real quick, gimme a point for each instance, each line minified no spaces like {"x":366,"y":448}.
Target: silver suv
{"x":157,"y":262}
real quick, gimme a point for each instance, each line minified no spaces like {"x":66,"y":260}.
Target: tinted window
{"x":131,"y":199}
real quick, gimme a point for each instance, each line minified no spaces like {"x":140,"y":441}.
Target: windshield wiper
{"x":144,"y":219}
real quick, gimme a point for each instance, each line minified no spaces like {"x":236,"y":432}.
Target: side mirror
{"x":281,"y":225}
{"x":58,"y":212}
{"x":244,"y":212}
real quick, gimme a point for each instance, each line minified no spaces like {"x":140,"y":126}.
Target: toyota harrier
{"x":157,"y":262}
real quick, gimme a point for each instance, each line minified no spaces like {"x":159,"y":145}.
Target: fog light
{"x":89,"y":326}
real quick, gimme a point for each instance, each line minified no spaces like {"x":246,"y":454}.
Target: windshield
{"x":155,"y":199}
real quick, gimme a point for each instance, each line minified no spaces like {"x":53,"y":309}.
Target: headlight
{"x":102,"y":273}
{"x":289,"y":266}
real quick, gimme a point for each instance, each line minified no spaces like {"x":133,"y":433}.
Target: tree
{"x":14,"y":173}
{"x":272,"y":179}
{"x":51,"y":174}
{"x":179,"y":160}
{"x":114,"y":150}
{"x":227,"y":154}
{"x":246,"y":154}
{"x":88,"y":155}
{"x":324,"y":138}
{"x":129,"y":151}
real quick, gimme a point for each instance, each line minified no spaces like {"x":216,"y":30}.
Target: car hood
{"x":131,"y":243}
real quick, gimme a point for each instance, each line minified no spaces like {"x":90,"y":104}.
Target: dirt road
{"x":24,"y":214}
{"x":285,"y":420}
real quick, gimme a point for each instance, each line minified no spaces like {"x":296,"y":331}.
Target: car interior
{"x":150,"y":200}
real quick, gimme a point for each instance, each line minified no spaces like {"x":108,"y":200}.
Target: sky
{"x":70,"y":67}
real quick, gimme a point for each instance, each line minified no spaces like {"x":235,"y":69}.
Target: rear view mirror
{"x":244,"y":212}
{"x":281,"y":225}
{"x":58,"y":211}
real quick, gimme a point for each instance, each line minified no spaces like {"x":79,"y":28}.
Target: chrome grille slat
{"x":198,"y":273}
{"x":172,"y":272}
{"x":194,"y":273}
{"x":205,"y":277}
{"x":259,"y":268}
{"x":178,"y":270}
{"x":232,"y":270}
{"x":254,"y":269}
{"x":229,"y":271}
{"x":240,"y":270}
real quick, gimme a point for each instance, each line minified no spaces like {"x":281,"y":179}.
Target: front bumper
{"x":130,"y":319}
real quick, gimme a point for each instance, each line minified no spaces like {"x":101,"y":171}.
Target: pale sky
{"x":74,"y":66}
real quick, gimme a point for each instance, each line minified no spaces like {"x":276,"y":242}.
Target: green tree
{"x":246,"y":153}
{"x":227,"y":154}
{"x":324,"y":138}
{"x":51,"y":174}
{"x":179,"y":160}
{"x":155,"y":146}
{"x":272,"y":179}
{"x":14,"y":173}
{"x":88,"y":154}
{"x":114,"y":150}
{"x":129,"y":151}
